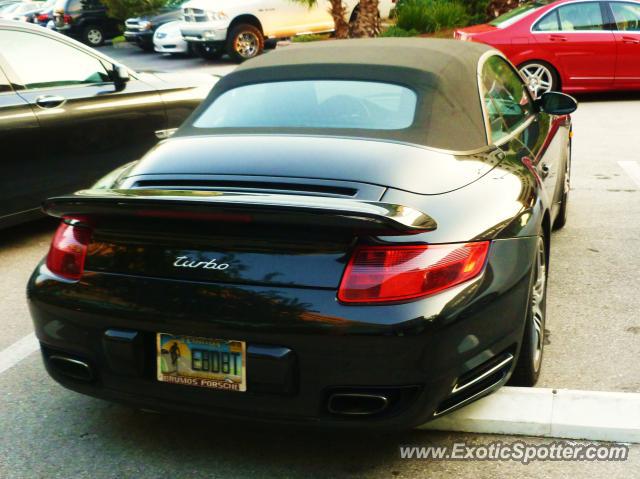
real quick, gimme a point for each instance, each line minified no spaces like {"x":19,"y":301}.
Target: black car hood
{"x":162,"y":16}
{"x":394,"y":165}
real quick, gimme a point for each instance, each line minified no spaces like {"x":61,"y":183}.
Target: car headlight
{"x":216,"y":16}
{"x":145,"y":25}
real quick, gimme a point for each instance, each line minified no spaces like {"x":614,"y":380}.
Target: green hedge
{"x":428,"y":16}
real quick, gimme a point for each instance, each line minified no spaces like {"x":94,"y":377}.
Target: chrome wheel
{"x":538,"y":307}
{"x":247,"y":45}
{"x":538,"y":77}
{"x":94,"y":36}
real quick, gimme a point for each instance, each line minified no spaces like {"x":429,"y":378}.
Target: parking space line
{"x":19,"y":350}
{"x":632,"y":169}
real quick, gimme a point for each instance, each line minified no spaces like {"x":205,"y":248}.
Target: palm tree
{"x":367,"y":23}
{"x":498,"y":7}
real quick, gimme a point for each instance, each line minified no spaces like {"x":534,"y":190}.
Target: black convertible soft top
{"x":443,"y":74}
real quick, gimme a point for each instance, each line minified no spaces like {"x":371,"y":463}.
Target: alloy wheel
{"x":538,"y":77}
{"x":538,"y":309}
{"x":94,"y":36}
{"x":246,"y":44}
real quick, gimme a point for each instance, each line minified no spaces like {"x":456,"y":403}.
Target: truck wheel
{"x":244,"y":41}
{"x":208,"y":52}
{"x":93,"y":36}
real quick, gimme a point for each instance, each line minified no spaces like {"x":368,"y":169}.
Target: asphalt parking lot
{"x":594,"y":344}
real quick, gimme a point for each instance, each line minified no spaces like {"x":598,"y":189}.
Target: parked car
{"x":85,"y":20}
{"x":357,"y":237}
{"x":43,"y":15}
{"x":75,"y":114}
{"x":572,"y":45}
{"x":168,"y":39}
{"x":241,"y":27}
{"x":141,"y":30}
{"x":19,"y":11}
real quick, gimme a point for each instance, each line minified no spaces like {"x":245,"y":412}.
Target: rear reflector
{"x":69,"y":249}
{"x":398,"y":273}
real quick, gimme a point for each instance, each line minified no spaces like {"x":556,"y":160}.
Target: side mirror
{"x":120,"y":76}
{"x":556,"y":103}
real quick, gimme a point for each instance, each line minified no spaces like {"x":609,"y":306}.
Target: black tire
{"x":93,"y":35}
{"x":561,"y":219}
{"x":244,"y":42}
{"x":529,"y":363}
{"x":207,"y":52}
{"x":270,"y":44}
{"x":146,"y":47}
{"x":552,"y":74}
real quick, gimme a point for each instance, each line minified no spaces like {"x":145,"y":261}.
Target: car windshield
{"x":516,"y":14}
{"x":330,"y":104}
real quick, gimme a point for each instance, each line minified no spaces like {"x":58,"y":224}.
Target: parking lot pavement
{"x":594,"y":334}
{"x":594,"y":282}
{"x":135,"y":58}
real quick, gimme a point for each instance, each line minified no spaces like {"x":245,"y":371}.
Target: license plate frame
{"x":209,"y":363}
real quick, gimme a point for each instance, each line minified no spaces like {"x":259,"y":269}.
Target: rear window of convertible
{"x":313,"y":104}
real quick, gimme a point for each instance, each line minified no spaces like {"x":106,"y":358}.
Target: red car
{"x":569,"y":45}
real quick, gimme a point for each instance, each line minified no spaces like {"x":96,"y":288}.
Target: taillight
{"x":398,"y":273}
{"x":43,"y":17}
{"x":67,"y":19}
{"x":69,"y":249}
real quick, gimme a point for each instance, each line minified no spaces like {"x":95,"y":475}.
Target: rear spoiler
{"x":373,"y":217}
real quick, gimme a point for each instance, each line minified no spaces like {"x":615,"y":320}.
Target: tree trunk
{"x":367,"y":22}
{"x":338,"y":12}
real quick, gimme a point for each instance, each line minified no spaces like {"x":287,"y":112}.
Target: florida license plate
{"x":202,"y":362}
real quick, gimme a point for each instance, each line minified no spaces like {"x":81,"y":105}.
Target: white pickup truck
{"x":242,"y":27}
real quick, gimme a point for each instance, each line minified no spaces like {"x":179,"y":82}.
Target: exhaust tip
{"x":357,"y":404}
{"x":71,"y":367}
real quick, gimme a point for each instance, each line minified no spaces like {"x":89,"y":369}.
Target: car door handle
{"x":50,"y":101}
{"x":558,"y":38}
{"x":544,"y":170}
{"x":630,"y":40}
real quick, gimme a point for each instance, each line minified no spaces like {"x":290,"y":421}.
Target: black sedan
{"x":69,"y":115}
{"x":140,"y":30}
{"x":352,"y":233}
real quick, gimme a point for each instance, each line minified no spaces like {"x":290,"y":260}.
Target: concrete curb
{"x":559,"y":413}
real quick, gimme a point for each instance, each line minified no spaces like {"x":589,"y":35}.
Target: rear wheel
{"x":529,"y":363}
{"x":208,"y":52}
{"x":244,"y":42}
{"x":541,"y":77}
{"x":93,"y":36}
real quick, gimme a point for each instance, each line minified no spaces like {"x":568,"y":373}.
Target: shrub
{"x":428,"y":16}
{"x":312,"y":37}
{"x":395,"y":31}
{"x":123,"y":9}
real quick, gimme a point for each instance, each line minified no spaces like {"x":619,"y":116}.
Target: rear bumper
{"x":415,"y":352}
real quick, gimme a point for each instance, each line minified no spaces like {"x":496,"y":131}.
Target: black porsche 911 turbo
{"x":353,"y":233}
